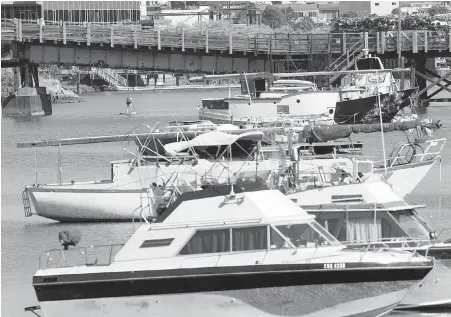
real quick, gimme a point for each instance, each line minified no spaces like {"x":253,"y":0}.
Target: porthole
{"x":298,"y":101}
{"x":331,"y":111}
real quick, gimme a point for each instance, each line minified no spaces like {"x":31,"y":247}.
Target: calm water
{"x":24,"y":238}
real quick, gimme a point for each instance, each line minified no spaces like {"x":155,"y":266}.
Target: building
{"x":91,"y":11}
{"x":328,"y":12}
{"x":25,"y":10}
{"x":367,"y":8}
{"x":416,"y":7}
{"x":304,"y":10}
{"x":319,"y":12}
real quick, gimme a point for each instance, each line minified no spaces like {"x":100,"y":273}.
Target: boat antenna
{"x":382,"y":125}
{"x":232,"y":193}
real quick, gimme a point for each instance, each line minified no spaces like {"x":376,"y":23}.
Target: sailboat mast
{"x":382,"y":125}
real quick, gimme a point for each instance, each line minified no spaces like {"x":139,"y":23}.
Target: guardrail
{"x":222,"y":40}
{"x":92,"y":255}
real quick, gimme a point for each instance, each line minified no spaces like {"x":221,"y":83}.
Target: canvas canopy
{"x":214,"y":138}
{"x":334,"y":132}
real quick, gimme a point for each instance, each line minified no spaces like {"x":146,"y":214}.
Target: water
{"x":24,"y":238}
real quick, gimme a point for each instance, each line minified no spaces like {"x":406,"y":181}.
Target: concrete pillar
{"x":177,"y":79}
{"x":136,"y":79}
{"x":164,"y":78}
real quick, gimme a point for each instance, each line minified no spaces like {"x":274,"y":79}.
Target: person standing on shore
{"x":129,"y":102}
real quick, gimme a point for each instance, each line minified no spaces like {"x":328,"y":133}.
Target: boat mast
{"x":382,"y":125}
{"x":248,"y":91}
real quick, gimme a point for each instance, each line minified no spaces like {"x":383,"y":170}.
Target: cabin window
{"x":411,"y":224}
{"x":277,"y":242}
{"x":376,"y":4}
{"x":208,"y":241}
{"x":250,"y":238}
{"x":156,"y":243}
{"x":302,"y":235}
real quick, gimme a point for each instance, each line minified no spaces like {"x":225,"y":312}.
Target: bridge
{"x":213,"y":51}
{"x":203,"y":51}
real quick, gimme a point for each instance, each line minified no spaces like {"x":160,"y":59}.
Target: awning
{"x":214,"y":138}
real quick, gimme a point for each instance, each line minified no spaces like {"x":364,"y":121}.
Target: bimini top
{"x":360,"y":196}
{"x":262,"y":206}
{"x":214,"y":138}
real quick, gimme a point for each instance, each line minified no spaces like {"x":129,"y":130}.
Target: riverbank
{"x":58,"y":92}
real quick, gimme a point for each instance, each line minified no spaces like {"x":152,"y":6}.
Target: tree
{"x":349,"y":14}
{"x":273,"y":17}
{"x":290,"y":15}
{"x":304,"y":24}
{"x":395,"y":11}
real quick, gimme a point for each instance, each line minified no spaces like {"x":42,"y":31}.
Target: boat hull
{"x":363,"y":299}
{"x":405,"y":178}
{"x":366,"y":110}
{"x":86,"y":205}
{"x":240,"y":109}
{"x":434,"y":291}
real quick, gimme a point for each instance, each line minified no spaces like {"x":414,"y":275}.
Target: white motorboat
{"x":262,"y":98}
{"x":250,"y":254}
{"x":371,"y":215}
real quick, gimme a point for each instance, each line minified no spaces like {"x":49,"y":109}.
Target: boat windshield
{"x":411,"y":224}
{"x":368,"y":226}
{"x":368,"y":63}
{"x":302,"y":235}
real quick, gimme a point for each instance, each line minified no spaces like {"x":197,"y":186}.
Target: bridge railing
{"x":222,"y":40}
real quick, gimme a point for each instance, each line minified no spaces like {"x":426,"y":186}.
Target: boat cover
{"x":324,"y":133}
{"x":214,"y":138}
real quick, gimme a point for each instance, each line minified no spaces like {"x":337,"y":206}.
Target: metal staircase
{"x":345,"y":61}
{"x":110,"y":76}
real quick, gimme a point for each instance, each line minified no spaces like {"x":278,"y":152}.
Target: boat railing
{"x":316,"y":177}
{"x":399,"y":242}
{"x":414,"y":152}
{"x":80,"y":256}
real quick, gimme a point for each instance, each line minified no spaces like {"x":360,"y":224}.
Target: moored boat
{"x":210,"y":254}
{"x":370,"y":215}
{"x":263,"y":97}
{"x":370,"y":96}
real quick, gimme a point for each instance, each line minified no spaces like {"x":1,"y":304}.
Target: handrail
{"x":62,"y":260}
{"x":277,"y":43}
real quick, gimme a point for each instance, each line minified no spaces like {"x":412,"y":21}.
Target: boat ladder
{"x":26,"y":203}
